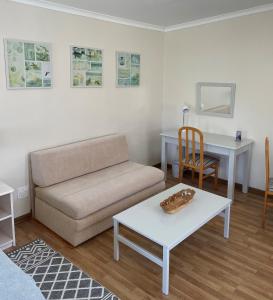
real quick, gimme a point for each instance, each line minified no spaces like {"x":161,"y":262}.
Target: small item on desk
{"x":177,"y":201}
{"x":238,"y":136}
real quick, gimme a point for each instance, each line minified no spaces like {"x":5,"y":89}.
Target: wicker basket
{"x":177,"y":201}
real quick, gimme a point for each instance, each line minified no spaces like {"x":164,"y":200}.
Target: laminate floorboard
{"x":204,"y":266}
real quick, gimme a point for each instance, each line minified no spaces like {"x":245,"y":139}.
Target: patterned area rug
{"x":56,"y":276}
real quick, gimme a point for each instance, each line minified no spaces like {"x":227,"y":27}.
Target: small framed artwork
{"x":128,"y":69}
{"x":86,"y":67}
{"x":28,"y":64}
{"x":238,"y":137}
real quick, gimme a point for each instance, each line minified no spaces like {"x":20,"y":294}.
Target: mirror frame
{"x":199,"y":86}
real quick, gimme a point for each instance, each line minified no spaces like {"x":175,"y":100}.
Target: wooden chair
{"x":197,"y":162}
{"x":268,"y":182}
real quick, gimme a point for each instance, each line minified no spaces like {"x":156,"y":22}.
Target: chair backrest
{"x":267,"y":165}
{"x":191,"y":136}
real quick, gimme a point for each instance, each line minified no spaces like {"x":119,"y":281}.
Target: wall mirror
{"x":215,"y":99}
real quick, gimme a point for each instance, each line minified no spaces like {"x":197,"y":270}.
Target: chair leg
{"x":200,"y":183}
{"x":192,"y":174}
{"x":216,"y":176}
{"x":181,"y":171}
{"x":265,"y":208}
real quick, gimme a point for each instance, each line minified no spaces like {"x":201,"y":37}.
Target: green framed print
{"x":128,"y":69}
{"x":28,"y":64}
{"x":86,"y":67}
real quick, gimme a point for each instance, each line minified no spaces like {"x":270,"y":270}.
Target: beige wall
{"x":33,"y":119}
{"x":238,"y":50}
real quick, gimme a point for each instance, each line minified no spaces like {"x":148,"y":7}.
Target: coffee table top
{"x":148,"y":218}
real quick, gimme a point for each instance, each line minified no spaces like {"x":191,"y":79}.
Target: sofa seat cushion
{"x":85,"y":195}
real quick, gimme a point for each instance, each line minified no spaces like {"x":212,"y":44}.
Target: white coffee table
{"x":168,"y":230}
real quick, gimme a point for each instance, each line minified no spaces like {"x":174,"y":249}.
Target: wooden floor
{"x":204,"y":266}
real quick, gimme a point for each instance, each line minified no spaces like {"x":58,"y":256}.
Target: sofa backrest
{"x":58,"y":164}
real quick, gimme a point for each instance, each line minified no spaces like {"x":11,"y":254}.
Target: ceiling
{"x":163,"y":13}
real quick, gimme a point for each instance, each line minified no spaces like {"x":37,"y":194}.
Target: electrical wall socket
{"x":22,"y":192}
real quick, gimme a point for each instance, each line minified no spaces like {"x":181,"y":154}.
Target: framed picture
{"x":238,"y":137}
{"x":86,"y":67}
{"x":128,"y":69}
{"x":28,"y":64}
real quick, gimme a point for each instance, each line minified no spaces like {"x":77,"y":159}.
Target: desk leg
{"x":116,"y":242}
{"x":247,"y":162}
{"x":164,"y":155}
{"x":231,"y":174}
{"x":165,"y":270}
{"x":226,"y":222}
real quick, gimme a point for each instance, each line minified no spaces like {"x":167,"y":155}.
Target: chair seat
{"x":207,"y":162}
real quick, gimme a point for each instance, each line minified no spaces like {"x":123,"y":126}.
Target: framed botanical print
{"x":86,"y":67}
{"x":28,"y":64}
{"x":128,"y":69}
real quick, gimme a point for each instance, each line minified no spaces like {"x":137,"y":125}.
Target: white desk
{"x":217,"y":144}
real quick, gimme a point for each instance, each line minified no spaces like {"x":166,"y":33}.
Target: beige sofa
{"x":79,"y":187}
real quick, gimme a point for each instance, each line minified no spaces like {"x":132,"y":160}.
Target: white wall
{"x":33,"y":119}
{"x":238,"y":50}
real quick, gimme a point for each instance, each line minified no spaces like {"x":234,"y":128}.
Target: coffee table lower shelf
{"x":164,"y":263}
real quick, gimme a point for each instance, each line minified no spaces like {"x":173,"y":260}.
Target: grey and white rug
{"x":56,"y":276}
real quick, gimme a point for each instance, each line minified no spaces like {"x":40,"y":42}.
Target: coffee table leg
{"x":116,"y":242}
{"x":226,"y":222}
{"x":165,"y":271}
